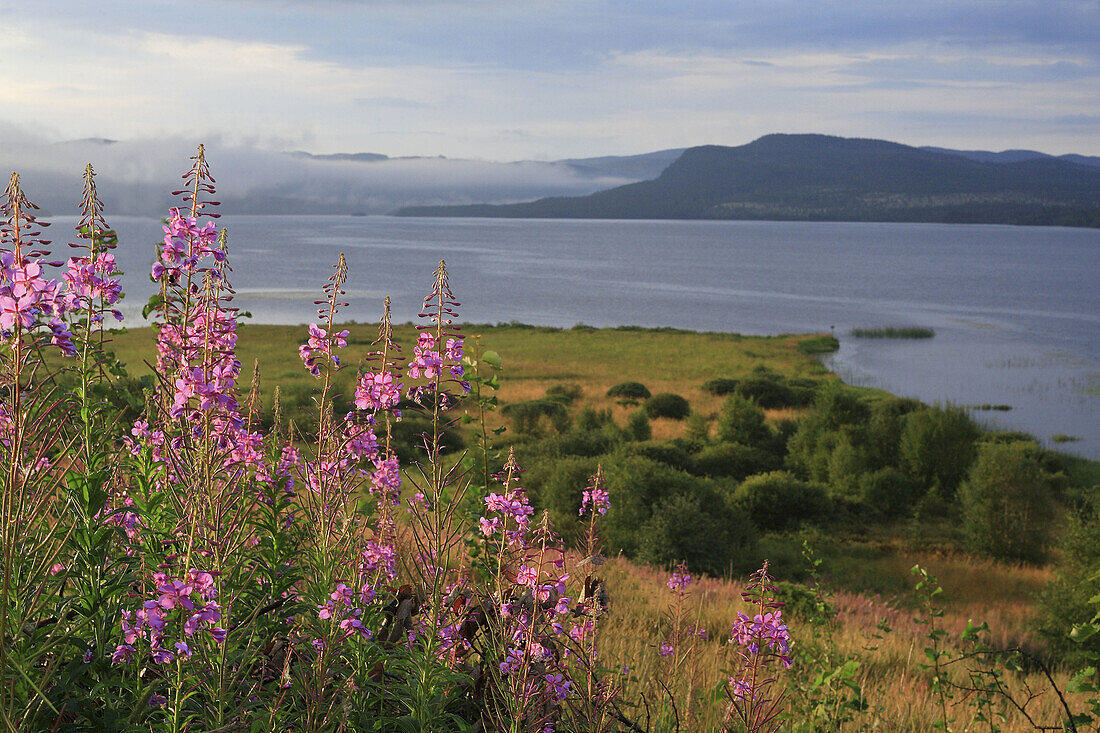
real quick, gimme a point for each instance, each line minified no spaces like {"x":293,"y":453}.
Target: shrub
{"x":1066,"y":601}
{"x":937,"y":447}
{"x":741,"y":421}
{"x":1007,"y":504}
{"x":686,"y":528}
{"x":721,"y":386}
{"x":733,"y":460}
{"x":667,"y":404}
{"x":779,"y":501}
{"x":639,"y":484}
{"x":670,"y":454}
{"x":525,"y":416}
{"x":889,"y":492}
{"x":638,"y":427}
{"x":591,"y":419}
{"x":631,"y":391}
{"x":566,"y":394}
{"x":766,"y":390}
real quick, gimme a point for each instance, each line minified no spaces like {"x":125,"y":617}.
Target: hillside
{"x":823,"y":178}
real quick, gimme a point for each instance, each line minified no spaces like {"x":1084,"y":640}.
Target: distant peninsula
{"x":825,"y":178}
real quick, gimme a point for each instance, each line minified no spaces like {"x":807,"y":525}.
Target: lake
{"x":1016,"y":310}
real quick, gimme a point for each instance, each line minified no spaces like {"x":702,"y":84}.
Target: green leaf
{"x":1083,"y":632}
{"x":492,"y":358}
{"x":1082,"y":681}
{"x":156,"y":301}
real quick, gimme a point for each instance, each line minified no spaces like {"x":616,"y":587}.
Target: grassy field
{"x":534,"y":359}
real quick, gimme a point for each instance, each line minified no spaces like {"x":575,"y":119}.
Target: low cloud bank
{"x":136,"y":176}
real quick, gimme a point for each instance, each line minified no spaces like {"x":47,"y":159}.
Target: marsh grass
{"x":893,"y":332}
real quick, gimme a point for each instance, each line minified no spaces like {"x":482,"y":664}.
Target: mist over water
{"x":1016,"y":310}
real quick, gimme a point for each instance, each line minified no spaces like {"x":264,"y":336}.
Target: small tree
{"x":742,"y":421}
{"x":638,"y":426}
{"x":937,"y":447}
{"x":1007,"y":503}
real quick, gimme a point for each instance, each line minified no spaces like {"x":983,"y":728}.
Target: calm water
{"x":1016,"y":310}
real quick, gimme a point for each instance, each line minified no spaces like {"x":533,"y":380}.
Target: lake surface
{"x":1016,"y":310}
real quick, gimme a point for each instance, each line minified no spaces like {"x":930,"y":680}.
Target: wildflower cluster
{"x":169,"y":623}
{"x":762,"y":641}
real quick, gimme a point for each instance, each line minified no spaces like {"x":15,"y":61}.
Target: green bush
{"x":574,"y":442}
{"x":556,"y":486}
{"x":667,"y":404}
{"x":741,"y":421}
{"x":937,"y":446}
{"x":637,"y":485}
{"x":638,"y":427}
{"x":721,"y":386}
{"x":591,"y":419}
{"x":526,"y":416}
{"x":687,"y":528}
{"x":566,"y":394}
{"x":884,"y":430}
{"x":1007,"y":503}
{"x":732,"y":460}
{"x":635,"y":391}
{"x":779,"y":501}
{"x":670,"y":454}
{"x":1065,"y":602}
{"x":889,"y":492}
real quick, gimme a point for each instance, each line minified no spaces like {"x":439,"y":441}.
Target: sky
{"x":504,"y":80}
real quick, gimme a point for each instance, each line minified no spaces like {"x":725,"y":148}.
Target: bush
{"x":637,"y":486}
{"x":721,"y":386}
{"x":779,"y":501}
{"x":669,"y":454}
{"x":566,"y":394}
{"x":889,"y":492}
{"x":937,"y":447}
{"x":741,"y":421}
{"x":556,"y":487}
{"x":638,"y":427}
{"x":766,"y":390}
{"x":667,"y":404}
{"x":1007,"y":504}
{"x":1065,"y":602}
{"x":630,"y":391}
{"x":525,"y":416}
{"x":686,"y":528}
{"x":590,"y":419}
{"x":732,"y":460}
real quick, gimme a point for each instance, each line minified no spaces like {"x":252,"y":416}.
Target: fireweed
{"x":191,"y":571}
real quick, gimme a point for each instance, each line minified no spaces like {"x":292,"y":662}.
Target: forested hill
{"x":823,"y":178}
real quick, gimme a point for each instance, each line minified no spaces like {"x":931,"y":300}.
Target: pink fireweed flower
{"x":377,"y":391}
{"x":680,"y":579}
{"x":762,"y":631}
{"x":598,"y":497}
{"x":527,"y":576}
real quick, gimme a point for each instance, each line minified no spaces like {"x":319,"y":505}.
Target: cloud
{"x":135,"y":177}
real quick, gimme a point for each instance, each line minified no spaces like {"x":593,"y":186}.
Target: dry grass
{"x":898,"y":692}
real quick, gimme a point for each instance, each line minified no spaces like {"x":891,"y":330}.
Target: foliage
{"x":667,"y":404}
{"x":779,"y":501}
{"x":741,"y":421}
{"x":629,"y":391}
{"x":732,"y":460}
{"x":937,"y":446}
{"x":1007,"y":502}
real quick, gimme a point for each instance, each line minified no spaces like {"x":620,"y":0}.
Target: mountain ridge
{"x":827,"y":178}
